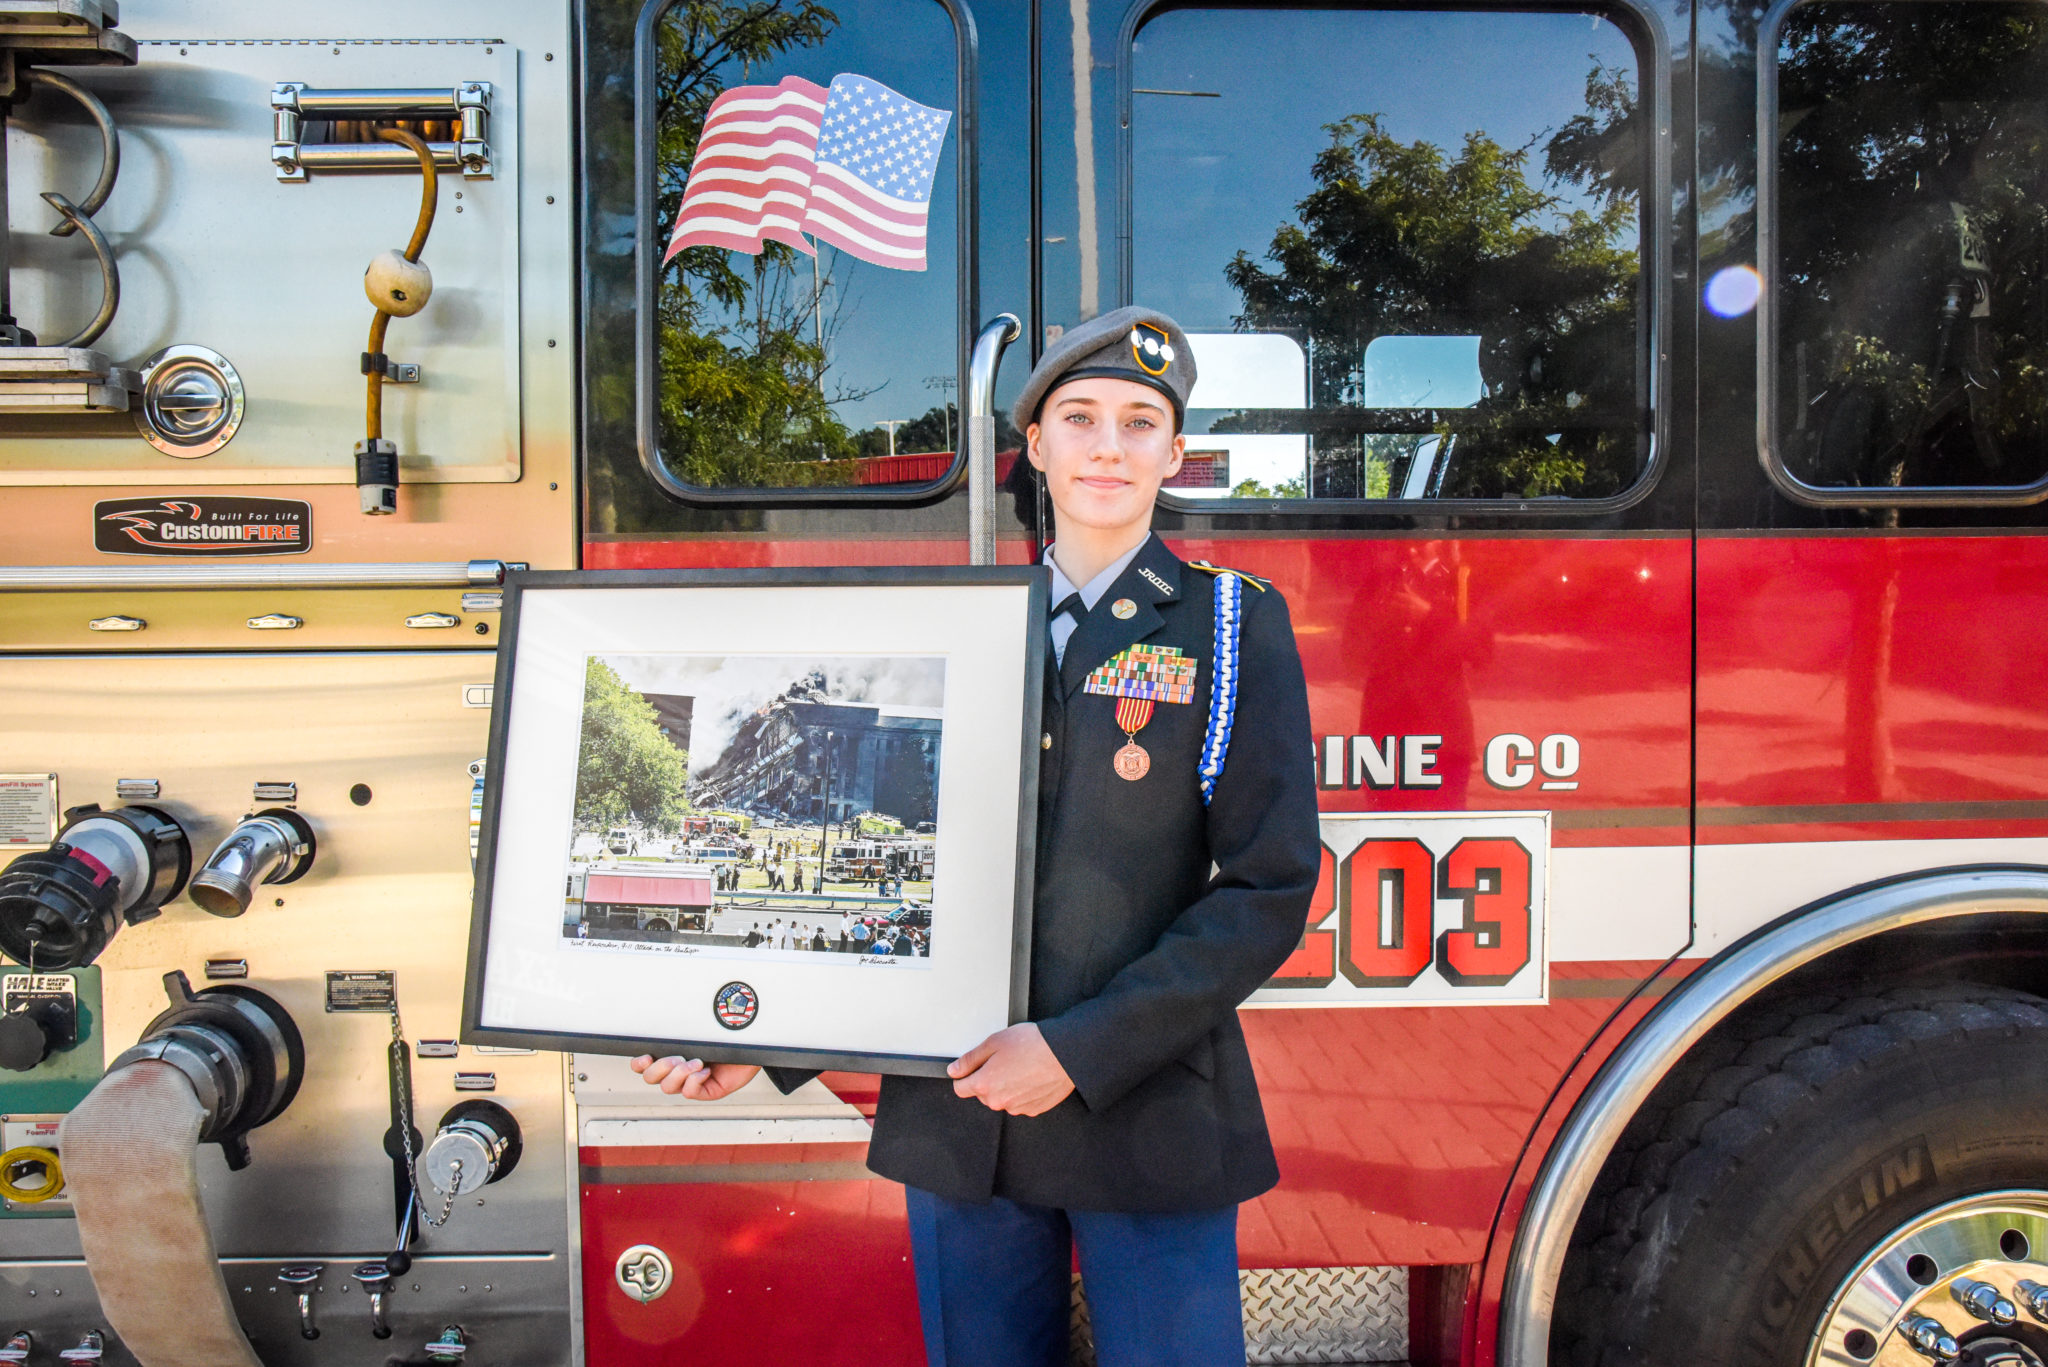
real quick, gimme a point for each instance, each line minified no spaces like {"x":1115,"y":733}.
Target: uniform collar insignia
{"x":1152,"y":578}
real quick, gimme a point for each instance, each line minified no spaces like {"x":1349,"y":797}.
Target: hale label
{"x":202,"y":525}
{"x":19,"y":991}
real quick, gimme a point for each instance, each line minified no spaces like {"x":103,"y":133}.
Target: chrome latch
{"x":644,"y":1273}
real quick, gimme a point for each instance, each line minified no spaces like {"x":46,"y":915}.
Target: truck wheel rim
{"x":1963,"y":1283}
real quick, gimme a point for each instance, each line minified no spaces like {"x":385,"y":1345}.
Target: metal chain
{"x":412,"y":1176}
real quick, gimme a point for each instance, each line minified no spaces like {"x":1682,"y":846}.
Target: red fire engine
{"x":1639,"y":404}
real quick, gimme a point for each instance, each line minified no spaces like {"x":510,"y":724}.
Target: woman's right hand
{"x":694,"y":1078}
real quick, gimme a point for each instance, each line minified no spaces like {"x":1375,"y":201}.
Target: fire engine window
{"x":807,"y":329}
{"x":1911,"y":253}
{"x":1408,"y":244}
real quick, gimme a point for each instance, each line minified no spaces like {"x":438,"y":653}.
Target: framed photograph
{"x":762,"y":816}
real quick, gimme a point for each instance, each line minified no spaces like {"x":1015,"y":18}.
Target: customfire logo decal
{"x":202,"y":525}
{"x":735,"y":1006}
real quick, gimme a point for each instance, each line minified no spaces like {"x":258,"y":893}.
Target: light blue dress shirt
{"x":1063,"y":625}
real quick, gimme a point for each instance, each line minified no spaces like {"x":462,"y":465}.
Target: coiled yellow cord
{"x":53,"y":1175}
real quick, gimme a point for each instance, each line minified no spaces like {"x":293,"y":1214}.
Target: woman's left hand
{"x":1014,"y":1071}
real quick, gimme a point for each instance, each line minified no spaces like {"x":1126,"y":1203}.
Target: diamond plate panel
{"x":1325,"y":1314}
{"x":1302,"y":1315}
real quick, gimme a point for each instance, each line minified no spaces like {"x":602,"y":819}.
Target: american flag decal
{"x":851,"y":165}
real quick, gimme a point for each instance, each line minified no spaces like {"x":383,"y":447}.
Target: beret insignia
{"x":1151,"y":349}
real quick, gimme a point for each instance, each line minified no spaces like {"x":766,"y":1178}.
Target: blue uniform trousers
{"x":994,"y":1279}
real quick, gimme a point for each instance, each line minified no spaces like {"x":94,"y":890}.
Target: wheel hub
{"x":1999,"y":1351}
{"x":1963,"y":1284}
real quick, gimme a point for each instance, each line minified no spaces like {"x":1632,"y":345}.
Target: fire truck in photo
{"x":655,"y":898}
{"x":1641,"y":405}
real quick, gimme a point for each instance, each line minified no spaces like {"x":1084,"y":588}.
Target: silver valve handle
{"x":300,"y":1277}
{"x":91,"y":1348}
{"x":376,"y":1280}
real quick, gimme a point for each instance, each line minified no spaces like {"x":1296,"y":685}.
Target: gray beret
{"x":1134,"y":343}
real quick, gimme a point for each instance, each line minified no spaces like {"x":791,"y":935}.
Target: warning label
{"x":28,"y":809}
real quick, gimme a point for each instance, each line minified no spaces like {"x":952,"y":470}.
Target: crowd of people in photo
{"x":771,"y":856}
{"x":857,"y":935}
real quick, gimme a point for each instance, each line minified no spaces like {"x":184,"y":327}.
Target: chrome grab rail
{"x":980,"y":426}
{"x":451,"y":574}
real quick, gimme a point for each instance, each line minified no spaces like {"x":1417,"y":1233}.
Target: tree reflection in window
{"x":778,"y":370}
{"x":1913,"y":323}
{"x":1527,"y":245}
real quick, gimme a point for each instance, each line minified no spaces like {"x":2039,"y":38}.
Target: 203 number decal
{"x":1385,"y":890}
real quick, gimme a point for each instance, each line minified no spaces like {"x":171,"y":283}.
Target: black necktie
{"x":1071,"y":604}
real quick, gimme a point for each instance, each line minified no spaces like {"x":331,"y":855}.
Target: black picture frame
{"x":1030,"y":577}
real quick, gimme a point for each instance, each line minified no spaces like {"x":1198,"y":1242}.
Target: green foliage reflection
{"x":1400,"y":239}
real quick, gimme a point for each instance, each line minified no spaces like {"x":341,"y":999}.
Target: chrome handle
{"x":979,"y":423}
{"x":376,"y":1280}
{"x":301,"y":1278}
{"x":455,"y":574}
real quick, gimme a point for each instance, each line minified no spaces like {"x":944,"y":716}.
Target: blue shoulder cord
{"x":1222,"y":682}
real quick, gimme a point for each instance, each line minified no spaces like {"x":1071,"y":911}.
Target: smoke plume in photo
{"x":730,"y":688}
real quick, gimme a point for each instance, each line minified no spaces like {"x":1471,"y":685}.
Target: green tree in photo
{"x":626,"y":770}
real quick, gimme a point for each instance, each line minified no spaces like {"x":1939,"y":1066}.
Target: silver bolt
{"x":1929,"y":1339}
{"x":2034,"y":1296}
{"x":1983,"y":1300}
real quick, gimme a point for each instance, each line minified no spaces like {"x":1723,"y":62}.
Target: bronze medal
{"x":1140,"y":678}
{"x":1132,"y":762}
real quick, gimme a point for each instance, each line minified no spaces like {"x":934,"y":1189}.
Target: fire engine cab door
{"x":830,"y":204}
{"x":1423,"y":259}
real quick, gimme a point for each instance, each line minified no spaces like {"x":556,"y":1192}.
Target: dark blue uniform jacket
{"x":1154,"y":917}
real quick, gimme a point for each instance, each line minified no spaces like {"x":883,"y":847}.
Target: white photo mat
{"x":986,"y":625}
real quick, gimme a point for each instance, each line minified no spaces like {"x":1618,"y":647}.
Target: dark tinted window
{"x":1912,"y":320}
{"x":824,"y":353}
{"x":1408,"y":243}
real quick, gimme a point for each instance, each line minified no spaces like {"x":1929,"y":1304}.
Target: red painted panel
{"x":1473,"y":638}
{"x":783,"y":1270}
{"x":1397,"y":1128}
{"x":1462,"y":638}
{"x":1871,"y":670}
